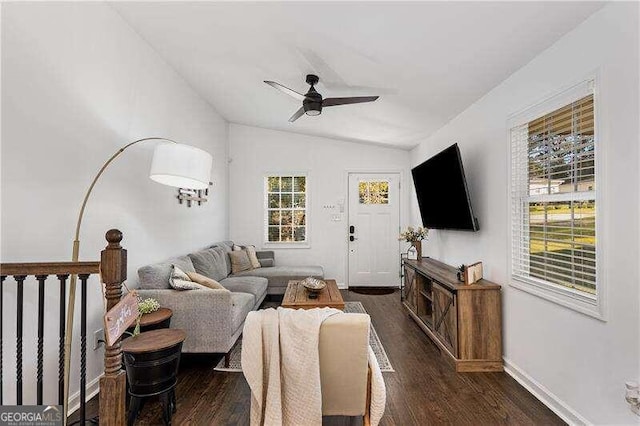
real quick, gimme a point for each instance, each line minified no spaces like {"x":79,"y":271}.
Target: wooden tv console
{"x":465,"y":321}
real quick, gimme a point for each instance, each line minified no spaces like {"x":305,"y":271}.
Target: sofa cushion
{"x":242,"y":304}
{"x":227,"y":246}
{"x":257,"y":286}
{"x":266,"y":258}
{"x":156,"y":276}
{"x":211,"y":262}
{"x":279,"y":276}
{"x":265,"y":263}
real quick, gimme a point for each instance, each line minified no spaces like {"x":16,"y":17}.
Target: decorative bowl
{"x":313,"y":286}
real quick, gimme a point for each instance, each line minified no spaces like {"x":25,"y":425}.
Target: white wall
{"x":77,"y":84}
{"x":578,"y":363}
{"x":255,"y":152}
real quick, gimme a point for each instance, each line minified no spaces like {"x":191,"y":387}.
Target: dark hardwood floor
{"x":423,"y":390}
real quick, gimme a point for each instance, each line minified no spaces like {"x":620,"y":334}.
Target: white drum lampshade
{"x":181,"y":166}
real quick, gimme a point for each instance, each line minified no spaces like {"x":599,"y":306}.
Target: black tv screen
{"x":442,"y":192}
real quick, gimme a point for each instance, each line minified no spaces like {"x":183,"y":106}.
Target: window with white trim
{"x":553,"y":199}
{"x":285,"y":209}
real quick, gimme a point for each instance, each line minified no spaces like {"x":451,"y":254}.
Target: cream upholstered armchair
{"x":344,"y":368}
{"x":296,"y":378}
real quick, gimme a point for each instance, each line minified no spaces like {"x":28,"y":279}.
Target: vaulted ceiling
{"x":428,"y":61}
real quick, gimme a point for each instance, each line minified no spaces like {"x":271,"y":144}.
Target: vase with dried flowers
{"x":415,"y":236}
{"x":145,"y":306}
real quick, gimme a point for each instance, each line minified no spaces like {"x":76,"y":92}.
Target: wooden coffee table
{"x":297,"y":297}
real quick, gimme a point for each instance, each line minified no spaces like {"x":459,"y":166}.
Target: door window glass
{"x":373,"y":191}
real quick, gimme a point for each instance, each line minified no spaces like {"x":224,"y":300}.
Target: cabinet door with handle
{"x":445,"y":321}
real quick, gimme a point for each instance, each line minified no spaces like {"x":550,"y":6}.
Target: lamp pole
{"x":74,"y":258}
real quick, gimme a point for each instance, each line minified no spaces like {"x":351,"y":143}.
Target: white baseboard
{"x":342,"y":286}
{"x":93,"y":387}
{"x":548,"y":398}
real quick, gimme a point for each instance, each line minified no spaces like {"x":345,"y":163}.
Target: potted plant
{"x":415,"y":236}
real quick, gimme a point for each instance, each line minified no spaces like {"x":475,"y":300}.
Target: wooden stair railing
{"x":112,"y":268}
{"x":113,"y":384}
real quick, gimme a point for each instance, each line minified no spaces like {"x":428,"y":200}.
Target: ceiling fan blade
{"x":349,"y":88}
{"x":320,"y":66}
{"x":286,"y":90}
{"x":345,"y":101}
{"x":297,"y":115}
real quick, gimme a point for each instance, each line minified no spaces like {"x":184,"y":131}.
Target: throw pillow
{"x":239,"y":261}
{"x":253,"y":257}
{"x":179,"y":280}
{"x":205,"y":281}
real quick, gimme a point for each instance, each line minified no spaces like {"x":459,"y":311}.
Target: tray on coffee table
{"x":297,"y":296}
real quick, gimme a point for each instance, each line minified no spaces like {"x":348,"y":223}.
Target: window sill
{"x":584,"y":303}
{"x":272,"y":246}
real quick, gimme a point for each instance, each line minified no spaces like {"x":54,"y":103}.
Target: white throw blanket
{"x":378,"y":391}
{"x":281,"y":363}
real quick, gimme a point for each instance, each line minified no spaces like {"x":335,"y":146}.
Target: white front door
{"x":374,"y":222}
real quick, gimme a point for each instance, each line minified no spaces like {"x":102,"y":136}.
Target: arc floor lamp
{"x":174,"y":164}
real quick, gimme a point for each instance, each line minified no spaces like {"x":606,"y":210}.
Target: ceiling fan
{"x":312,"y":102}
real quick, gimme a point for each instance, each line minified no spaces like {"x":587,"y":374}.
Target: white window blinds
{"x":553,"y":195}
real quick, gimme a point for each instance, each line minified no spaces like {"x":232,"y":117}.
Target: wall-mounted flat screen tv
{"x":442,"y":192}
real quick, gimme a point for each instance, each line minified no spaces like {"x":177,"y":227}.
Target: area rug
{"x":349,"y":307}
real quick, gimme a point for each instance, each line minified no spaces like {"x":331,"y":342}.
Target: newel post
{"x":113,"y":265}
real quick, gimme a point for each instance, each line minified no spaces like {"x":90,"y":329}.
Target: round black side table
{"x":151,"y":360}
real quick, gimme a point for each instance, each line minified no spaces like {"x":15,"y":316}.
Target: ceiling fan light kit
{"x":312,"y":101}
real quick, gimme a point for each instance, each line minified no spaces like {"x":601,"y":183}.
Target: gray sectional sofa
{"x":213,"y":319}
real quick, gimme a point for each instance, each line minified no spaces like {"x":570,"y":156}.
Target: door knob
{"x":352,"y":238}
{"x":352,"y":229}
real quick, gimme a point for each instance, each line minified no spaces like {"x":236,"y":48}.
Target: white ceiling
{"x":428,"y":61}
